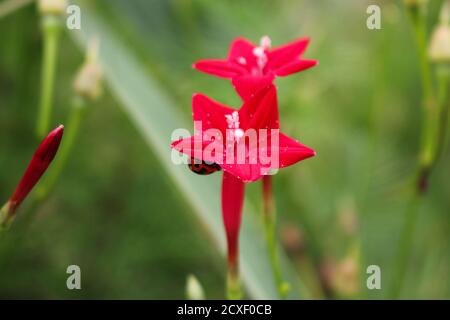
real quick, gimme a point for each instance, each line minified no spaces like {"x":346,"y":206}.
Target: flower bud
{"x":343,"y":276}
{"x":39,"y":163}
{"x":345,"y":280}
{"x":56,"y":7}
{"x":88,"y":82}
{"x":347,"y":216}
{"x":194,"y":290}
{"x":293,"y":239}
{"x":439,"y":50}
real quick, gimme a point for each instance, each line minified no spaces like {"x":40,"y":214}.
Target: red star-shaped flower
{"x":245,"y":143}
{"x":252,"y":67}
{"x":233,"y":139}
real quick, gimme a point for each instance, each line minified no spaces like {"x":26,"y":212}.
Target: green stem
{"x":405,"y":244}
{"x":430,"y":112}
{"x":421,"y":41}
{"x":51,"y":26}
{"x":234,"y":291}
{"x":427,"y":151}
{"x":76,"y":117}
{"x":269,"y":216}
{"x":438,"y":139}
{"x":5,"y":218}
{"x":443,"y":75}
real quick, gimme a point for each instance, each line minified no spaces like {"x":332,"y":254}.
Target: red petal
{"x":210,"y":112}
{"x":232,"y":202}
{"x":265,"y":115}
{"x":296,"y":66}
{"x":247,"y":85}
{"x":42,"y":158}
{"x":245,"y":172}
{"x":242,"y":48}
{"x":192,"y":146}
{"x":219,"y":68}
{"x":291,"y":151}
{"x":280,"y":56}
{"x":195,"y":146}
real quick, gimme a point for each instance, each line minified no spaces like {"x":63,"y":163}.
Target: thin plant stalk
{"x":418,"y":19}
{"x":75,"y":120}
{"x":51,"y":26}
{"x":405,"y":243}
{"x":269,"y":217}
{"x":443,"y":74}
{"x":434,"y":127}
{"x":234,"y":291}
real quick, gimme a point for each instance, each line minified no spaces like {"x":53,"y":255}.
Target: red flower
{"x":252,"y":67}
{"x":38,"y":165}
{"x":222,"y":138}
{"x":246,"y":143}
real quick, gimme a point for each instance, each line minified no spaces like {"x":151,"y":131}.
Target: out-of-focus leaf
{"x":156,"y":116}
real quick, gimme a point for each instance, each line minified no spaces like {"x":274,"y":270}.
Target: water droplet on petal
{"x":242,"y":60}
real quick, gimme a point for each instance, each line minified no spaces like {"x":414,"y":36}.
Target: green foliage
{"x":130,"y":218}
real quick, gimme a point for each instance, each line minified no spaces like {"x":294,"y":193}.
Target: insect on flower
{"x":203,"y":168}
{"x":234,"y":141}
{"x":246,"y":143}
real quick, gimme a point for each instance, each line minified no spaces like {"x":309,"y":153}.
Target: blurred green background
{"x":116,"y":211}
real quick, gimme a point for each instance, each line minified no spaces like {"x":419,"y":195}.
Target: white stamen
{"x":261,"y":57}
{"x":265,"y":42}
{"x":233,"y":123}
{"x":233,"y":120}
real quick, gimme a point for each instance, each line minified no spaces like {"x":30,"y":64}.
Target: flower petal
{"x":219,"y":68}
{"x":241,"y":54}
{"x":242,"y":48}
{"x":261,"y":110}
{"x":283,"y":55}
{"x":295,"y":66}
{"x":192,"y":146}
{"x":199,"y":148}
{"x":291,"y":151}
{"x":247,"y":85}
{"x":210,"y":112}
{"x":233,"y":191}
{"x":246,"y":172}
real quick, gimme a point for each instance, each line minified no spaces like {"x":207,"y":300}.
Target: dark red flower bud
{"x":41,"y":160}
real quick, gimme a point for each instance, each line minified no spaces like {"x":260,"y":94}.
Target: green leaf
{"x":156,"y":116}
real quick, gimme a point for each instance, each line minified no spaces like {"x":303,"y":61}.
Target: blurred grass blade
{"x":10,"y":6}
{"x":156,"y":117}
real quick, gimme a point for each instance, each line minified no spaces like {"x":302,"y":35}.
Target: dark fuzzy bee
{"x":203,"y":168}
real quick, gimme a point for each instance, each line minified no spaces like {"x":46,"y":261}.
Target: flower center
{"x":260,"y":54}
{"x":233,"y":124}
